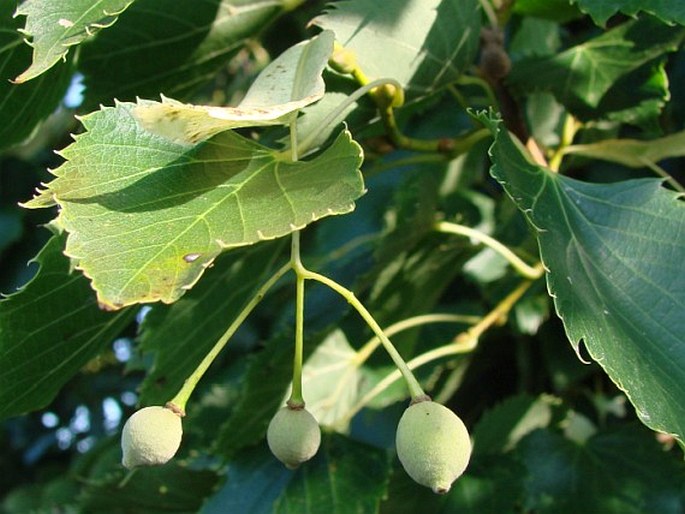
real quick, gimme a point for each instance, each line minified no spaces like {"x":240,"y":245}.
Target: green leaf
{"x":181,"y":335}
{"x":492,"y":484}
{"x":332,"y":380}
{"x":345,"y":477}
{"x":152,"y":490}
{"x":254,"y":479}
{"x":286,"y":85}
{"x":614,"y":472}
{"x":170,"y":47}
{"x":25,"y":104}
{"x":669,"y":11}
{"x":633,"y":152}
{"x":149,"y":230}
{"x":48,"y":331}
{"x":638,"y":98}
{"x":614,"y":255}
{"x":55,"y":28}
{"x":581,"y":76}
{"x":557,"y":10}
{"x":503,"y":426}
{"x":424,"y":44}
{"x":265,"y":382}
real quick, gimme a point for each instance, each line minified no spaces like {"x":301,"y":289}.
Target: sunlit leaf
{"x":149,"y":230}
{"x":615,"y":271}
{"x":56,"y":27}
{"x":289,"y":83}
{"x":424,"y":44}
{"x":331,"y":378}
{"x":48,"y":331}
{"x":25,"y":105}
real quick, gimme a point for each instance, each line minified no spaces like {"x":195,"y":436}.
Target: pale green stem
{"x":333,"y":116}
{"x":415,"y":389}
{"x":527,"y":271}
{"x":296,"y":398}
{"x":463,"y":343}
{"x":568,"y":133}
{"x":416,"y":362}
{"x":179,"y":401}
{"x":370,"y":346}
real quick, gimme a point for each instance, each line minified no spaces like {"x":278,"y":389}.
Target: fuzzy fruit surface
{"x":151,"y":436}
{"x":433,"y":445}
{"x":293,"y":436}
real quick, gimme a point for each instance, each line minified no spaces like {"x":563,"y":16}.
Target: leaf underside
{"x":425,"y":44}
{"x":614,"y":255}
{"x":289,"y":83}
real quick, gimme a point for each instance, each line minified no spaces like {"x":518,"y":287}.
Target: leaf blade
{"x":286,"y":85}
{"x":54,"y":31}
{"x":25,"y":104}
{"x":55,"y":320}
{"x":425,"y":44}
{"x":614,"y":257}
{"x":149,"y":231}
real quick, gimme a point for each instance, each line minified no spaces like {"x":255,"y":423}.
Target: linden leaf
{"x":582,"y":76}
{"x":290,"y":82}
{"x":633,"y":152}
{"x":423,"y":44}
{"x":614,"y":263}
{"x":49,"y":330}
{"x":669,"y":11}
{"x":26,"y":105}
{"x":147,"y":215}
{"x":57,"y":26}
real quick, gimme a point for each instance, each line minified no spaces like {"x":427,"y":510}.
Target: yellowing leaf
{"x":289,"y":83}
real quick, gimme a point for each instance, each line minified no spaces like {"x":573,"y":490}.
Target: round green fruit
{"x":294,"y":436}
{"x":433,"y":445}
{"x":151,"y":436}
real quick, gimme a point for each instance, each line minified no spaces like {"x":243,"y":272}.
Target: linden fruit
{"x":151,"y":436}
{"x":433,"y":445}
{"x":294,"y":436}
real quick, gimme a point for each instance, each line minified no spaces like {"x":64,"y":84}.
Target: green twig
{"x":296,"y":398}
{"x":568,"y":133}
{"x":464,"y":342}
{"x":415,"y":389}
{"x":527,"y":271}
{"x":179,"y":401}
